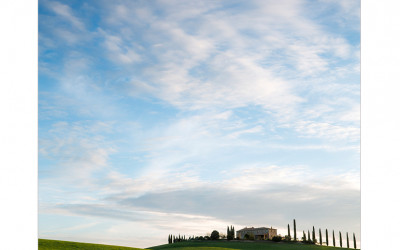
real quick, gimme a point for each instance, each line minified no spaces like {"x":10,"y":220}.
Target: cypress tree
{"x":313,"y":235}
{"x":347,"y":235}
{"x":174,"y":239}
{"x":233,"y":232}
{"x":304,"y":236}
{"x":309,"y":235}
{"x":288,"y":229}
{"x":354,"y":240}
{"x":340,"y":238}
{"x":327,"y":241}
{"x":320,"y":237}
{"x":333,"y":233}
{"x":294,"y":228}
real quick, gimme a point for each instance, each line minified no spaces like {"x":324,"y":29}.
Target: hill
{"x":225,"y":245}
{"x":59,"y":244}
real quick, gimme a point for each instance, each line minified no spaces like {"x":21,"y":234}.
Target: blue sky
{"x":160,"y":117}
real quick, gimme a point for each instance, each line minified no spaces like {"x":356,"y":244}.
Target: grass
{"x":58,"y":244}
{"x":189,"y":245}
{"x":231,"y":245}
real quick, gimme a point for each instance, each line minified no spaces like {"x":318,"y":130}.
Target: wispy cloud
{"x":66,"y":13}
{"x":174,"y":116}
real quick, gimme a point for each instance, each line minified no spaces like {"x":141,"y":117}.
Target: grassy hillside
{"x":225,"y":245}
{"x":58,"y":244}
{"x":198,"y":245}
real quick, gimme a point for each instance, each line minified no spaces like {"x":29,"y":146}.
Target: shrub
{"x":277,"y":238}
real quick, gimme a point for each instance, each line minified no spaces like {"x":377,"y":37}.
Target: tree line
{"x":313,"y":239}
{"x":306,"y":239}
{"x":173,"y":239}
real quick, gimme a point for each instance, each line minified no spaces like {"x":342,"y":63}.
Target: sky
{"x":181,"y":117}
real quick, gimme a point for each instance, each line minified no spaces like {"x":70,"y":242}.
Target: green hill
{"x":225,"y":245}
{"x":189,"y":245}
{"x":58,"y":244}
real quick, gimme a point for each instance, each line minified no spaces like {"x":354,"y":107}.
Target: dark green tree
{"x":333,"y":235}
{"x":320,"y":237}
{"x":347,"y":236}
{"x":309,"y":239}
{"x":354,"y":241}
{"x":313,"y":235}
{"x":174,"y":239}
{"x":294,"y":228}
{"x":214,"y":235}
{"x":304,"y":237}
{"x":233,"y":232}
{"x":340,"y":238}
{"x":327,"y":240}
{"x":288,"y":229}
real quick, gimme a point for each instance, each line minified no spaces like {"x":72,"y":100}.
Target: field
{"x":58,"y":244}
{"x":225,"y":245}
{"x":197,"y":245}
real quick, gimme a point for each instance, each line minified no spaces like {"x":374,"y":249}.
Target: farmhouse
{"x":259,"y":233}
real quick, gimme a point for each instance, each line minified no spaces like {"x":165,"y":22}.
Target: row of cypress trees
{"x":314,"y":240}
{"x":173,"y":238}
{"x":230,"y":233}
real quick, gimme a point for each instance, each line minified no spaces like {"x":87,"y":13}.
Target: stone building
{"x":259,"y":233}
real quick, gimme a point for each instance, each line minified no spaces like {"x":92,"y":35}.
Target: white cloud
{"x":65,"y":12}
{"x":76,"y":150}
{"x":119,"y":51}
{"x":327,"y":130}
{"x":199,"y":206}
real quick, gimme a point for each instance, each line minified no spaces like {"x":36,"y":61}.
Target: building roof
{"x":254,"y":228}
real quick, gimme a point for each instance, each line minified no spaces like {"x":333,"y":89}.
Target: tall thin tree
{"x":340,"y":238}
{"x":354,"y":240}
{"x":313,"y":235}
{"x":347,"y":236}
{"x":309,"y":236}
{"x":326,"y":233}
{"x":304,"y":236}
{"x":294,"y":228}
{"x":333,"y":238}
{"x":288,"y":229}
{"x":320,"y":237}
